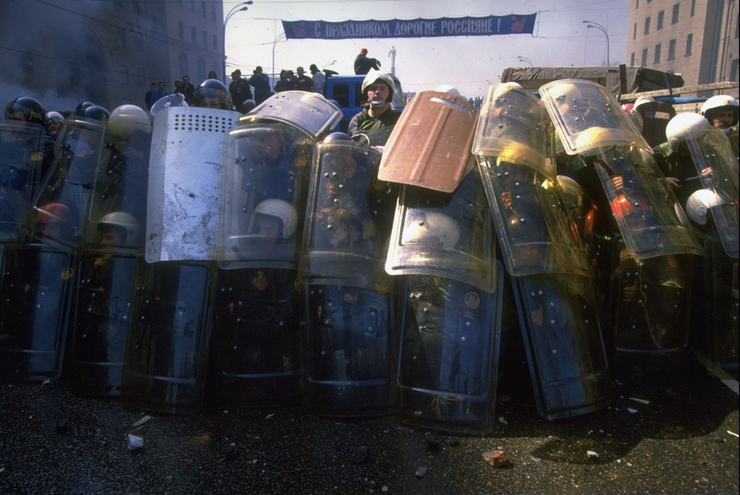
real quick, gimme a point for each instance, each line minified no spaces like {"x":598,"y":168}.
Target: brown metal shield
{"x":430,"y":145}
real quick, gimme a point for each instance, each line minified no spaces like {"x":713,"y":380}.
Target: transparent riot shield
{"x":347,"y":351}
{"x":21,"y":161}
{"x":256,"y":337}
{"x":533,"y":222}
{"x":655,"y":116}
{"x":564,"y":345}
{"x":447,"y":235}
{"x":349,"y":220}
{"x":100,"y":322}
{"x":35,"y":297}
{"x":184,"y":192}
{"x":717,"y":169}
{"x":121,"y":181}
{"x":448,"y":356}
{"x":265,"y":184}
{"x":311,"y":113}
{"x":59,"y":208}
{"x":576,"y":105}
{"x":652,"y":299}
{"x":164,"y":368}
{"x":715,"y":304}
{"x":430,"y":144}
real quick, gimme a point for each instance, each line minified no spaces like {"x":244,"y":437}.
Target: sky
{"x":470,"y":64}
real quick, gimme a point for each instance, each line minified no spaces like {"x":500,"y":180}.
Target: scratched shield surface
{"x":185,"y":182}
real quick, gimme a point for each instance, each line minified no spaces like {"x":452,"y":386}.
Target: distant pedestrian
{"x":188,"y":90}
{"x":161,"y":92}
{"x":283,"y":84}
{"x":302,"y":81}
{"x":239,"y":89}
{"x":148,"y":96}
{"x":318,"y":79}
{"x":363,"y":63}
{"x":261,"y":84}
{"x":212,"y":75}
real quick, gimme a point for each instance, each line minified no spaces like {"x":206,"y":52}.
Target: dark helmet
{"x":212,"y":93}
{"x":246,"y":107}
{"x":337,"y":137}
{"x":95,"y":112}
{"x":80,"y":110}
{"x":30,"y":108}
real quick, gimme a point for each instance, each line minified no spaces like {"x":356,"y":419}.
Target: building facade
{"x":63,"y":52}
{"x":695,"y":38}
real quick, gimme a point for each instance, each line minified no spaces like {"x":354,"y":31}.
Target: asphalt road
{"x":673,"y":440}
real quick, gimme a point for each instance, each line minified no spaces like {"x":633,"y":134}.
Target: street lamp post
{"x":525,"y":59}
{"x":596,"y":25}
{"x":280,"y":37}
{"x":238,"y":8}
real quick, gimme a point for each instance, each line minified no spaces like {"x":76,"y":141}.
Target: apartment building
{"x":105,"y":51}
{"x":695,"y":38}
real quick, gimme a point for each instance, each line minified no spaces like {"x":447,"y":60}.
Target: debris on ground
{"x":420,"y":471}
{"x":640,"y":401}
{"x":497,"y":459}
{"x":135,"y":443}
{"x":141,"y":421}
{"x":62,"y":427}
{"x":592,"y":456}
{"x":360,"y":455}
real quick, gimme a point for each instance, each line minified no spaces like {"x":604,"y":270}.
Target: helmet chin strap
{"x":377,"y":103}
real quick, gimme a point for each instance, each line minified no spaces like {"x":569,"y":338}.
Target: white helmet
{"x":699,"y":204}
{"x":681,"y":125}
{"x":126,"y":119}
{"x":282,"y":210}
{"x":720,"y":102}
{"x":54,"y":117}
{"x":373,"y":76}
{"x":447,"y":88}
{"x":125,"y":223}
{"x":434,"y":226}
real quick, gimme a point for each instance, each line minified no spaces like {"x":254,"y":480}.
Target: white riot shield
{"x":183,"y":207}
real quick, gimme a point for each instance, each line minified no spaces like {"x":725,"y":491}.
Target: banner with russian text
{"x":416,"y":28}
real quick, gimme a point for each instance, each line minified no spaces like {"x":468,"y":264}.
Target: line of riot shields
{"x":265,"y":260}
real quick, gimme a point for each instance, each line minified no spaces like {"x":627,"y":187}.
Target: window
{"x":674,"y":16}
{"x":182,"y":62}
{"x":644,"y":57}
{"x":123,"y":69}
{"x":660,"y":20}
{"x":135,"y":7}
{"x":647,"y":25}
{"x":193,"y":34}
{"x":118,"y":2}
{"x":201,"y":66}
{"x":632,"y":60}
{"x":734,"y":70}
{"x":205,"y":39}
{"x":215,"y":42}
{"x":656,"y":60}
{"x":213,"y":13}
{"x":139,"y":40}
{"x":672,"y":50}
{"x":180,"y":30}
{"x":192,"y":5}
{"x":203,"y":8}
{"x":141,"y":76}
{"x":637,"y":4}
{"x":689,"y":41}
{"x":634,"y":32}
{"x":121,"y":37}
{"x":693,"y":7}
